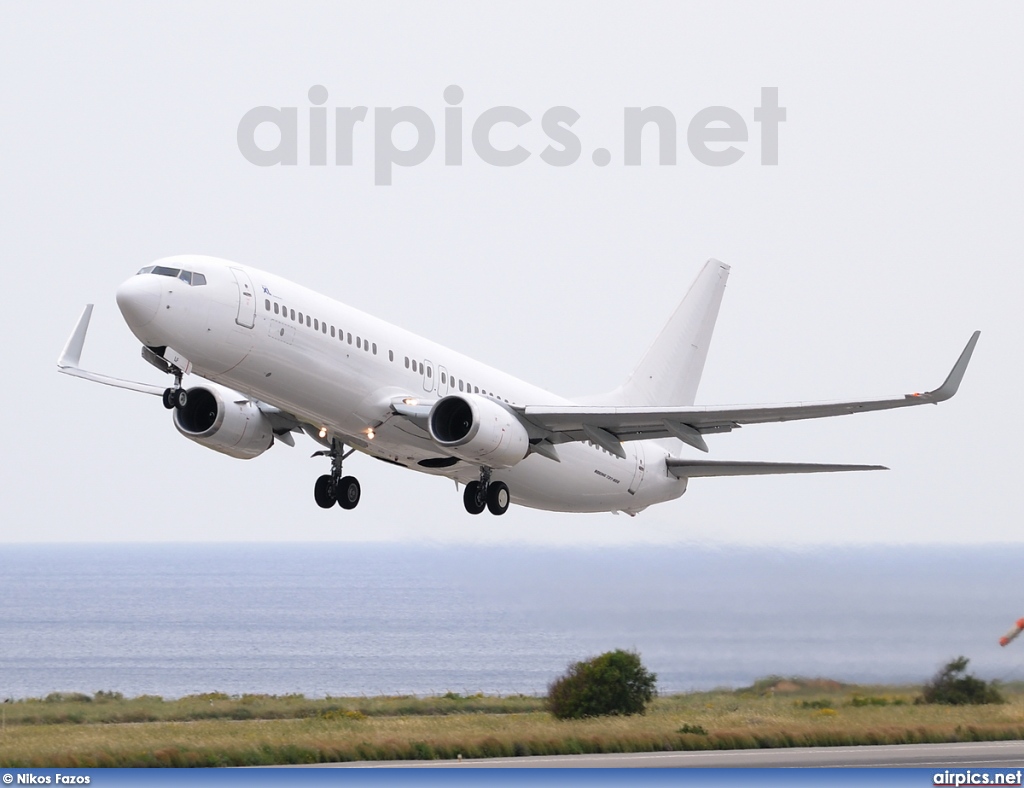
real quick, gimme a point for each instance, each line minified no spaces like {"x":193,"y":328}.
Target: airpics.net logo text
{"x":269,"y":136}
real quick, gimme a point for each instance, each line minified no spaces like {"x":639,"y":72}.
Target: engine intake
{"x":478,"y":430}
{"x":232,"y":426}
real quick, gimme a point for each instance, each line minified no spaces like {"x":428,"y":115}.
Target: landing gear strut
{"x":176,"y":396}
{"x":332,"y":487}
{"x":486,"y":494}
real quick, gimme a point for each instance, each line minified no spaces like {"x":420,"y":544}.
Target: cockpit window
{"x":188,"y":277}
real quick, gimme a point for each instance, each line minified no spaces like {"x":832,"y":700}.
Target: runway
{"x":961,"y":755}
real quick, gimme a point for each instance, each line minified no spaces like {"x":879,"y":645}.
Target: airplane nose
{"x":138,"y":299}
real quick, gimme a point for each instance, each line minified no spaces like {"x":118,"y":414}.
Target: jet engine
{"x":224,"y":421}
{"x":478,"y":430}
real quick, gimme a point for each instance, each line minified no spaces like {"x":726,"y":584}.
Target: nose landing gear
{"x":485,"y":494}
{"x":176,"y":396}
{"x":332,"y":487}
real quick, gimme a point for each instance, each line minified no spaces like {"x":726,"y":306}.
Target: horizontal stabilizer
{"x":688,"y":469}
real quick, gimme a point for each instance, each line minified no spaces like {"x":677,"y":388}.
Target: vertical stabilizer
{"x":670,"y":371}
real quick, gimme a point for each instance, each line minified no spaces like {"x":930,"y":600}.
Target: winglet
{"x":72,"y":354}
{"x":952,"y":382}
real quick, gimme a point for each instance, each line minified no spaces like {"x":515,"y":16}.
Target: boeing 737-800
{"x":277,"y":358}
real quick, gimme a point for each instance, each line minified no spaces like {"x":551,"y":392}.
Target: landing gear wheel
{"x":348,"y":492}
{"x":180,"y":398}
{"x":169,"y":399}
{"x":497,"y":497}
{"x":333,"y":487}
{"x":473,"y":499}
{"x":323,"y":491}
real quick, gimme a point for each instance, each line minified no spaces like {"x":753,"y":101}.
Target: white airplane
{"x":278,"y":358}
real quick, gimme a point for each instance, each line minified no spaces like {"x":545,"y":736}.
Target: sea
{"x":343,"y":619}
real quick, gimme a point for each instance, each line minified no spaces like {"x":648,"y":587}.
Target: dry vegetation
{"x":214,"y":730}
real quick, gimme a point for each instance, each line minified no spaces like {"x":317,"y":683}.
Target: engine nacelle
{"x":478,"y":430}
{"x":232,"y":426}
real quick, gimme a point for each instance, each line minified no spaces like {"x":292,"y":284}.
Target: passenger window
{"x":391,"y":355}
{"x":293,"y":314}
{"x":375,"y":348}
{"x":350,"y":339}
{"x":444,"y":379}
{"x":460,"y":385}
{"x":277,"y":308}
{"x":323,"y":328}
{"x":267,"y":303}
{"x":476,"y":390}
{"x":359,"y":342}
{"x":430,"y":372}
{"x":316,"y":325}
{"x":307,"y":321}
{"x":300,"y":317}
{"x":332,"y":332}
{"x":406,"y":362}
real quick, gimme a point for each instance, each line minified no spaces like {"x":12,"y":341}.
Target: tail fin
{"x":670,"y":371}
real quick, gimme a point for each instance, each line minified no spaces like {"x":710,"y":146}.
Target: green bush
{"x":67,"y":697}
{"x":953,"y":686}
{"x":815,"y":704}
{"x":613,"y":683}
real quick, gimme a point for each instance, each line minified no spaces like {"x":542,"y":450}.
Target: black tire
{"x":169,"y":399}
{"x":180,"y":398}
{"x":472,"y":499}
{"x":348,"y":492}
{"x":323,"y":492}
{"x":498,"y":498}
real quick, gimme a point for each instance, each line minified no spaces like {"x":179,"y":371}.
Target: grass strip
{"x":325,"y":751}
{"x":210,"y":730}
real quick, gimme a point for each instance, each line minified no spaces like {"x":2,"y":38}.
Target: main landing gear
{"x":486,"y":494}
{"x":332,"y":487}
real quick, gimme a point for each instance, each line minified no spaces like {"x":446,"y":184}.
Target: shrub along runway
{"x":215,"y":730}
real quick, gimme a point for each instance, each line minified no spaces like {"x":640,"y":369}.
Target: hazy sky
{"x":889,"y":230}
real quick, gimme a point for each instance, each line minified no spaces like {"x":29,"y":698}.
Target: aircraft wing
{"x":72,"y":355}
{"x":608,"y":426}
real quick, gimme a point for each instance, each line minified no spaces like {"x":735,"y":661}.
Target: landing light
{"x":323,"y":432}
{"x":411,"y":401}
{"x":370,"y":434}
